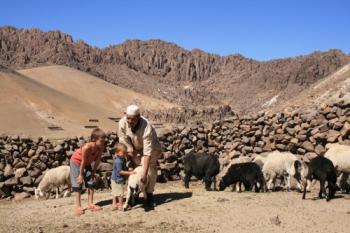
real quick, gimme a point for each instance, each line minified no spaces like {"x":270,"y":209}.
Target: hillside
{"x":167,"y":71}
{"x":56,"y":96}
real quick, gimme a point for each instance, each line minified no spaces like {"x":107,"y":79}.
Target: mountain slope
{"x":165,"y":70}
{"x":62,"y":97}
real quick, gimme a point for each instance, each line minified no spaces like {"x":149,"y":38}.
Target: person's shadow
{"x":159,"y":199}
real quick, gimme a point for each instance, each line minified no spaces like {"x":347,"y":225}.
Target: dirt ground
{"x":181,"y":210}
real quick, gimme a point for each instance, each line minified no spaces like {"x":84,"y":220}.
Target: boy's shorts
{"x":117,"y":188}
{"x":74,"y":173}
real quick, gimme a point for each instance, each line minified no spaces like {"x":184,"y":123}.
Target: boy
{"x":81,"y":170}
{"x":119,"y":174}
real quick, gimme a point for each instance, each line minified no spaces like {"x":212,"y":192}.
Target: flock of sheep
{"x":265,"y":169}
{"x":259,"y":174}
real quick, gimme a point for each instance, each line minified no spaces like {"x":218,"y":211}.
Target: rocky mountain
{"x":164,"y":70}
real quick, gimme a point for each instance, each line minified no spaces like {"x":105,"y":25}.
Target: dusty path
{"x":181,"y":210}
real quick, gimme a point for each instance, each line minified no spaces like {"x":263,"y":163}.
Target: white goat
{"x":340,"y":157}
{"x":54,"y":178}
{"x":136,"y":186}
{"x":281,"y":164}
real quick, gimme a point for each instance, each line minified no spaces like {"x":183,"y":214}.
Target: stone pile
{"x":23,"y":160}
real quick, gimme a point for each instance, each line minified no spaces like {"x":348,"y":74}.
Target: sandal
{"x":94,"y":208}
{"x":79,"y":212}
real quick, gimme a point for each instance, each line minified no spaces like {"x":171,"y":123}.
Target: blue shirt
{"x":118,"y":165}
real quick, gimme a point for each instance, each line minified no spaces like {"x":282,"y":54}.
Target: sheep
{"x":247,"y":173}
{"x":281,"y":164}
{"x":54,"y":178}
{"x":340,"y":157}
{"x":135,"y":186}
{"x":202,"y":166}
{"x":224,"y":170}
{"x":322,"y":169}
{"x":260,"y":159}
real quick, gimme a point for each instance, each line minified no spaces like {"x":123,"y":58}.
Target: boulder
{"x":308,"y":146}
{"x":20,"y":172}
{"x":26,"y":180}
{"x":8,"y":171}
{"x":319,"y":149}
{"x":332,"y":136}
{"x":35,"y":172}
{"x":345,"y":131}
{"x":11,"y":181}
{"x":21,"y":196}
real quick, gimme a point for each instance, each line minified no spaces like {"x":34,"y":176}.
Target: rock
{"x":257,"y":150}
{"x":29,"y":189}
{"x":20,"y":172}
{"x":332,"y":136}
{"x":310,"y":155}
{"x":301,"y":137}
{"x":11,"y":181}
{"x":187,"y":151}
{"x":319,"y":149}
{"x":234,"y":154}
{"x":301,"y":151}
{"x":26,"y":180}
{"x":331,"y":116}
{"x":35,"y":172}
{"x":345,"y":131}
{"x":168,"y":166}
{"x":281,"y":147}
{"x":8,"y":171}
{"x":245,"y":140}
{"x":5,"y":191}
{"x":31,"y":153}
{"x":21,"y":196}
{"x":275,"y":221}
{"x":291,"y":123}
{"x":294,"y":140}
{"x":20,"y":164}
{"x":307,"y":146}
{"x":290,"y":131}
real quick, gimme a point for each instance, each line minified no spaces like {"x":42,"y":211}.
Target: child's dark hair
{"x":120,"y":147}
{"x":97,"y":134}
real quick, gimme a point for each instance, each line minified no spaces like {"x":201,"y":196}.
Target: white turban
{"x":132,"y":110}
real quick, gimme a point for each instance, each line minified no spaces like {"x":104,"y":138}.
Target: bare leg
{"x":114,"y":202}
{"x":78,"y":200}
{"x":120,"y":203}
{"x":90,"y":197}
{"x":78,"y":210}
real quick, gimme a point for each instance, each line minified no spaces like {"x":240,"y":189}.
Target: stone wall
{"x":23,"y":160}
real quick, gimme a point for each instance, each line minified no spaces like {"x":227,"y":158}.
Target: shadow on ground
{"x":159,"y":199}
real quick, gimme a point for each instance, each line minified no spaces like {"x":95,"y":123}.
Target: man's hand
{"x":80,"y":179}
{"x":144,"y":178}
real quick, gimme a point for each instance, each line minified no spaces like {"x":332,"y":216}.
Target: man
{"x":141,"y":139}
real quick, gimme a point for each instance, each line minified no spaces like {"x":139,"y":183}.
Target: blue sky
{"x":261,"y":30}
